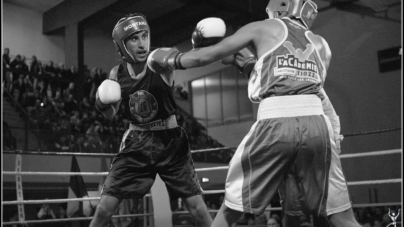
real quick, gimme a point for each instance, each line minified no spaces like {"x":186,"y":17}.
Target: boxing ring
{"x":151,"y":217}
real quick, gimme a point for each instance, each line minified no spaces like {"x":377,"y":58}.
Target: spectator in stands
{"x":6,"y":58}
{"x":72,"y":74}
{"x":29,"y":86}
{"x":377,"y":223}
{"x":45,"y":212}
{"x":37,"y":74}
{"x":93,"y":137}
{"x":85,"y":122}
{"x":85,"y":105}
{"x":33,"y":65}
{"x":71,"y":104}
{"x":260,"y":219}
{"x":15,"y":61}
{"x":70,"y":90}
{"x":88,"y":84}
{"x":96,"y":81}
{"x":6,"y":63}
{"x":23,"y":65}
{"x":62,"y":214}
{"x":65,"y":125}
{"x":10,"y":142}
{"x":81,"y":144}
{"x":62,"y":144}
{"x":31,"y":99}
{"x":18,"y":89}
{"x":64,"y":79}
{"x":273,"y":222}
{"x":386,"y":220}
{"x":50,"y":69}
{"x":75,"y":122}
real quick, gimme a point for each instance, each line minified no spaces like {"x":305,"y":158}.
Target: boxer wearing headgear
{"x":125,"y":28}
{"x":301,"y":160}
{"x":154,"y":143}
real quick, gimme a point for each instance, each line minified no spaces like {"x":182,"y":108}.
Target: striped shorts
{"x":289,"y":148}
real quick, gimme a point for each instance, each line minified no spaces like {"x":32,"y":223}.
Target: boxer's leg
{"x":105,"y":209}
{"x":198,"y":210}
{"x":226,"y":217}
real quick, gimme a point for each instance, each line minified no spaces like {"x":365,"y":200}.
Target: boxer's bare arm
{"x":261,"y":35}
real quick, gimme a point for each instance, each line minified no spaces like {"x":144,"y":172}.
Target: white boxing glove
{"x":109,"y":92}
{"x":208,"y":32}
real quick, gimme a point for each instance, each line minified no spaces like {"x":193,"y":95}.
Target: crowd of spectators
{"x":60,"y":104}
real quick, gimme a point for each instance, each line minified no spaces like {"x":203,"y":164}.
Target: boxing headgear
{"x":305,"y":10}
{"x":126,"y":27}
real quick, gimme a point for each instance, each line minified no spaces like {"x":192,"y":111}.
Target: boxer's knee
{"x":344,"y":219}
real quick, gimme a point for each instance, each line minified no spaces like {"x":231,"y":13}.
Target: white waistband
{"x":290,"y":106}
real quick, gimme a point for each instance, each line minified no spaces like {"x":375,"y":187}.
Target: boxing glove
{"x":244,"y":60}
{"x":208,"y":32}
{"x":109,"y":92}
{"x":163,"y":60}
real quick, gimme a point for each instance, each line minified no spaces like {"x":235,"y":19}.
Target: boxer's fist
{"x":244,"y":60}
{"x":163,"y":60}
{"x":208,"y":31}
{"x":108,"y":92}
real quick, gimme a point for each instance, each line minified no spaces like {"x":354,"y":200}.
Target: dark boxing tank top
{"x":145,"y":100}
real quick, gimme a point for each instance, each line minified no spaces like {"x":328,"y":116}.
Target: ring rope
{"x":387,"y":181}
{"x":371,"y":153}
{"x":16,"y":202}
{"x":95,"y":174}
{"x":371,"y":132}
{"x":73,"y":219}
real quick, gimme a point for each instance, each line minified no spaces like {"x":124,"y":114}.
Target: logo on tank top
{"x":143,"y":106}
{"x":296,"y":65}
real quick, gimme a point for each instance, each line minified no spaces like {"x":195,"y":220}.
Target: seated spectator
{"x":58,"y":101}
{"x":85,"y":105}
{"x":75,"y":122}
{"x":6,"y":66}
{"x":93,"y":137}
{"x":31,"y":99}
{"x":6,"y":58}
{"x":50,"y":69}
{"x":85,"y":122}
{"x":71,"y":104}
{"x":65,"y":125}
{"x":10,"y":142}
{"x":260,"y":219}
{"x":62,"y":144}
{"x":88,"y":84}
{"x":33,"y":65}
{"x":23,"y":65}
{"x":70,"y":90}
{"x":15,"y":62}
{"x":273,"y":222}
{"x":45,"y":212}
{"x":18,"y":89}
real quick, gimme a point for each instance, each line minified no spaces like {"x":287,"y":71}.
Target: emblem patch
{"x":143,"y":106}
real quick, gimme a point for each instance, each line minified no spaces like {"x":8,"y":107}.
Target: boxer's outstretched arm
{"x":228,"y":46}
